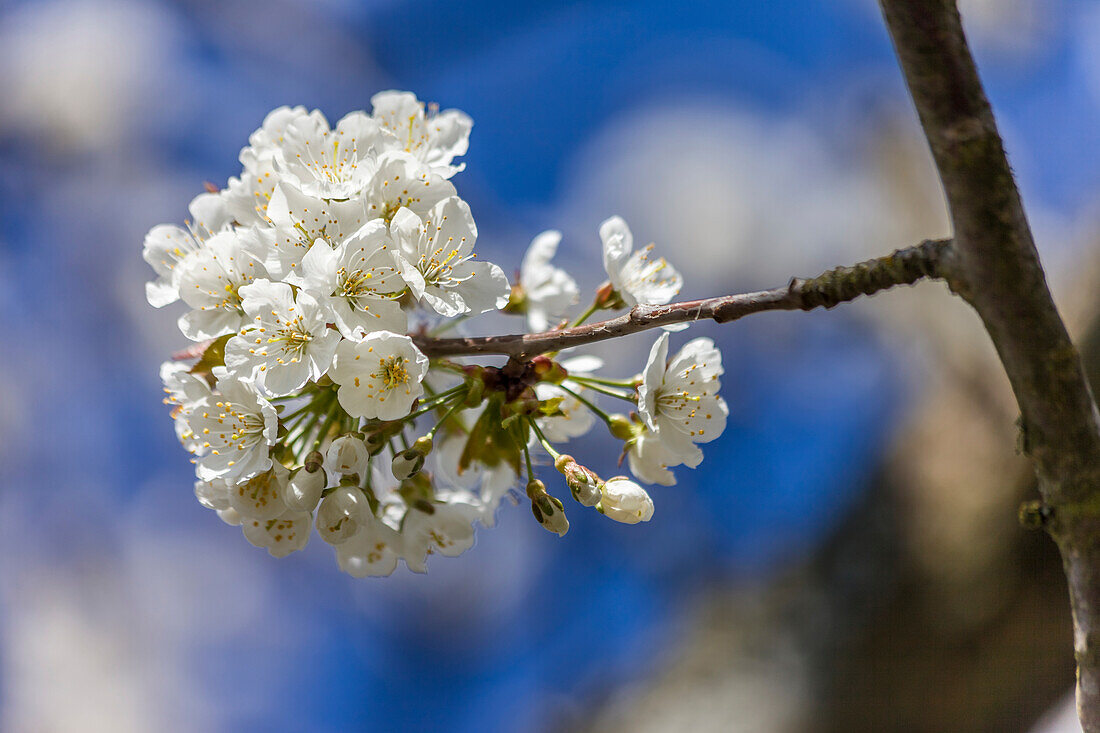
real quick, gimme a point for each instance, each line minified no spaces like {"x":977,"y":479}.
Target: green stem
{"x":449,"y":324}
{"x":590,"y":405}
{"x":436,"y":405}
{"x":609,"y":392}
{"x":326,"y":425}
{"x":449,"y":366}
{"x":447,"y":415}
{"x":628,"y":383}
{"x":530,"y":469}
{"x":587,"y":314}
{"x":542,"y":439}
{"x":305,"y":426}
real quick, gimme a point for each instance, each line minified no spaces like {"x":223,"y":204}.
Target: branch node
{"x":842,"y":284}
{"x":1035,"y":515}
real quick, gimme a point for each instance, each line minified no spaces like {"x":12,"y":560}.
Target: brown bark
{"x":839,"y":285}
{"x":996,"y":268}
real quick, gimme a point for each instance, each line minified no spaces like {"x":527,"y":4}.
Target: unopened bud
{"x":548,"y":511}
{"x":407,"y":464}
{"x":474,"y":394}
{"x":304,"y":490}
{"x":313,"y":461}
{"x":583,"y":483}
{"x":608,"y":298}
{"x":548,"y":370}
{"x":621,"y":427}
{"x":423,"y":445}
{"x":347,"y":454}
{"x":375,"y":442}
{"x":340,"y":514}
{"x":517,"y":300}
{"x":625,"y":501}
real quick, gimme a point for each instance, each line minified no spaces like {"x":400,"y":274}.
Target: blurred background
{"x":846,"y":559}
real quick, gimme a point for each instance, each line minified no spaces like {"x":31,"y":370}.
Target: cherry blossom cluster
{"x":304,"y":400}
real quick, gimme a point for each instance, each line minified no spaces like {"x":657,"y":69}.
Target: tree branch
{"x":839,"y":285}
{"x":996,"y":269}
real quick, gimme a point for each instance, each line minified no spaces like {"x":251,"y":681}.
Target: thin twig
{"x":829,"y":289}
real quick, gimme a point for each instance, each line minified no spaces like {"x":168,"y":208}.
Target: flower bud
{"x":376,"y":441}
{"x":548,"y":370}
{"x":583,"y":483}
{"x":622,"y":428}
{"x":340,"y":514}
{"x":347,"y":454}
{"x":608,"y":298}
{"x":475,"y":392}
{"x":517,"y":300}
{"x":625,"y":501}
{"x":313,"y":461}
{"x":407,"y":464}
{"x":423,"y":445}
{"x":304,"y":490}
{"x":548,"y":511}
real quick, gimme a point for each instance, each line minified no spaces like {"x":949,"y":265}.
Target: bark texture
{"x":829,"y":289}
{"x":995,"y":267}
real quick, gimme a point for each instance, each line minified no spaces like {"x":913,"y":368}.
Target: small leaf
{"x":214,"y":356}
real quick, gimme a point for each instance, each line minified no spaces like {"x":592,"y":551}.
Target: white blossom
{"x":650,"y":458}
{"x":448,"y":530}
{"x":633,"y":275}
{"x":247,"y":197}
{"x":625,"y":501}
{"x":310,"y":266}
{"x":372,"y":551}
{"x":210,"y":282}
{"x":213,"y":494}
{"x":678,"y":399}
{"x":346,"y":455}
{"x":261,"y":496}
{"x":167,"y":245}
{"x":286,"y":344}
{"x":341,"y":514}
{"x":435,"y":256}
{"x":304,"y":489}
{"x":549,"y":290}
{"x":401,"y":180}
{"x":282,"y":535}
{"x":575,"y":419}
{"x":379,"y":376}
{"x":236,"y":427}
{"x":298,"y":221}
{"x":230,"y":517}
{"x":184,"y":391}
{"x":435,"y":139}
{"x":329,"y":163}
{"x":357,"y":281}
{"x":490,"y":482}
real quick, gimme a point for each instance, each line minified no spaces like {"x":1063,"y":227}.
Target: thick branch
{"x":997,"y":270}
{"x":839,"y":285}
